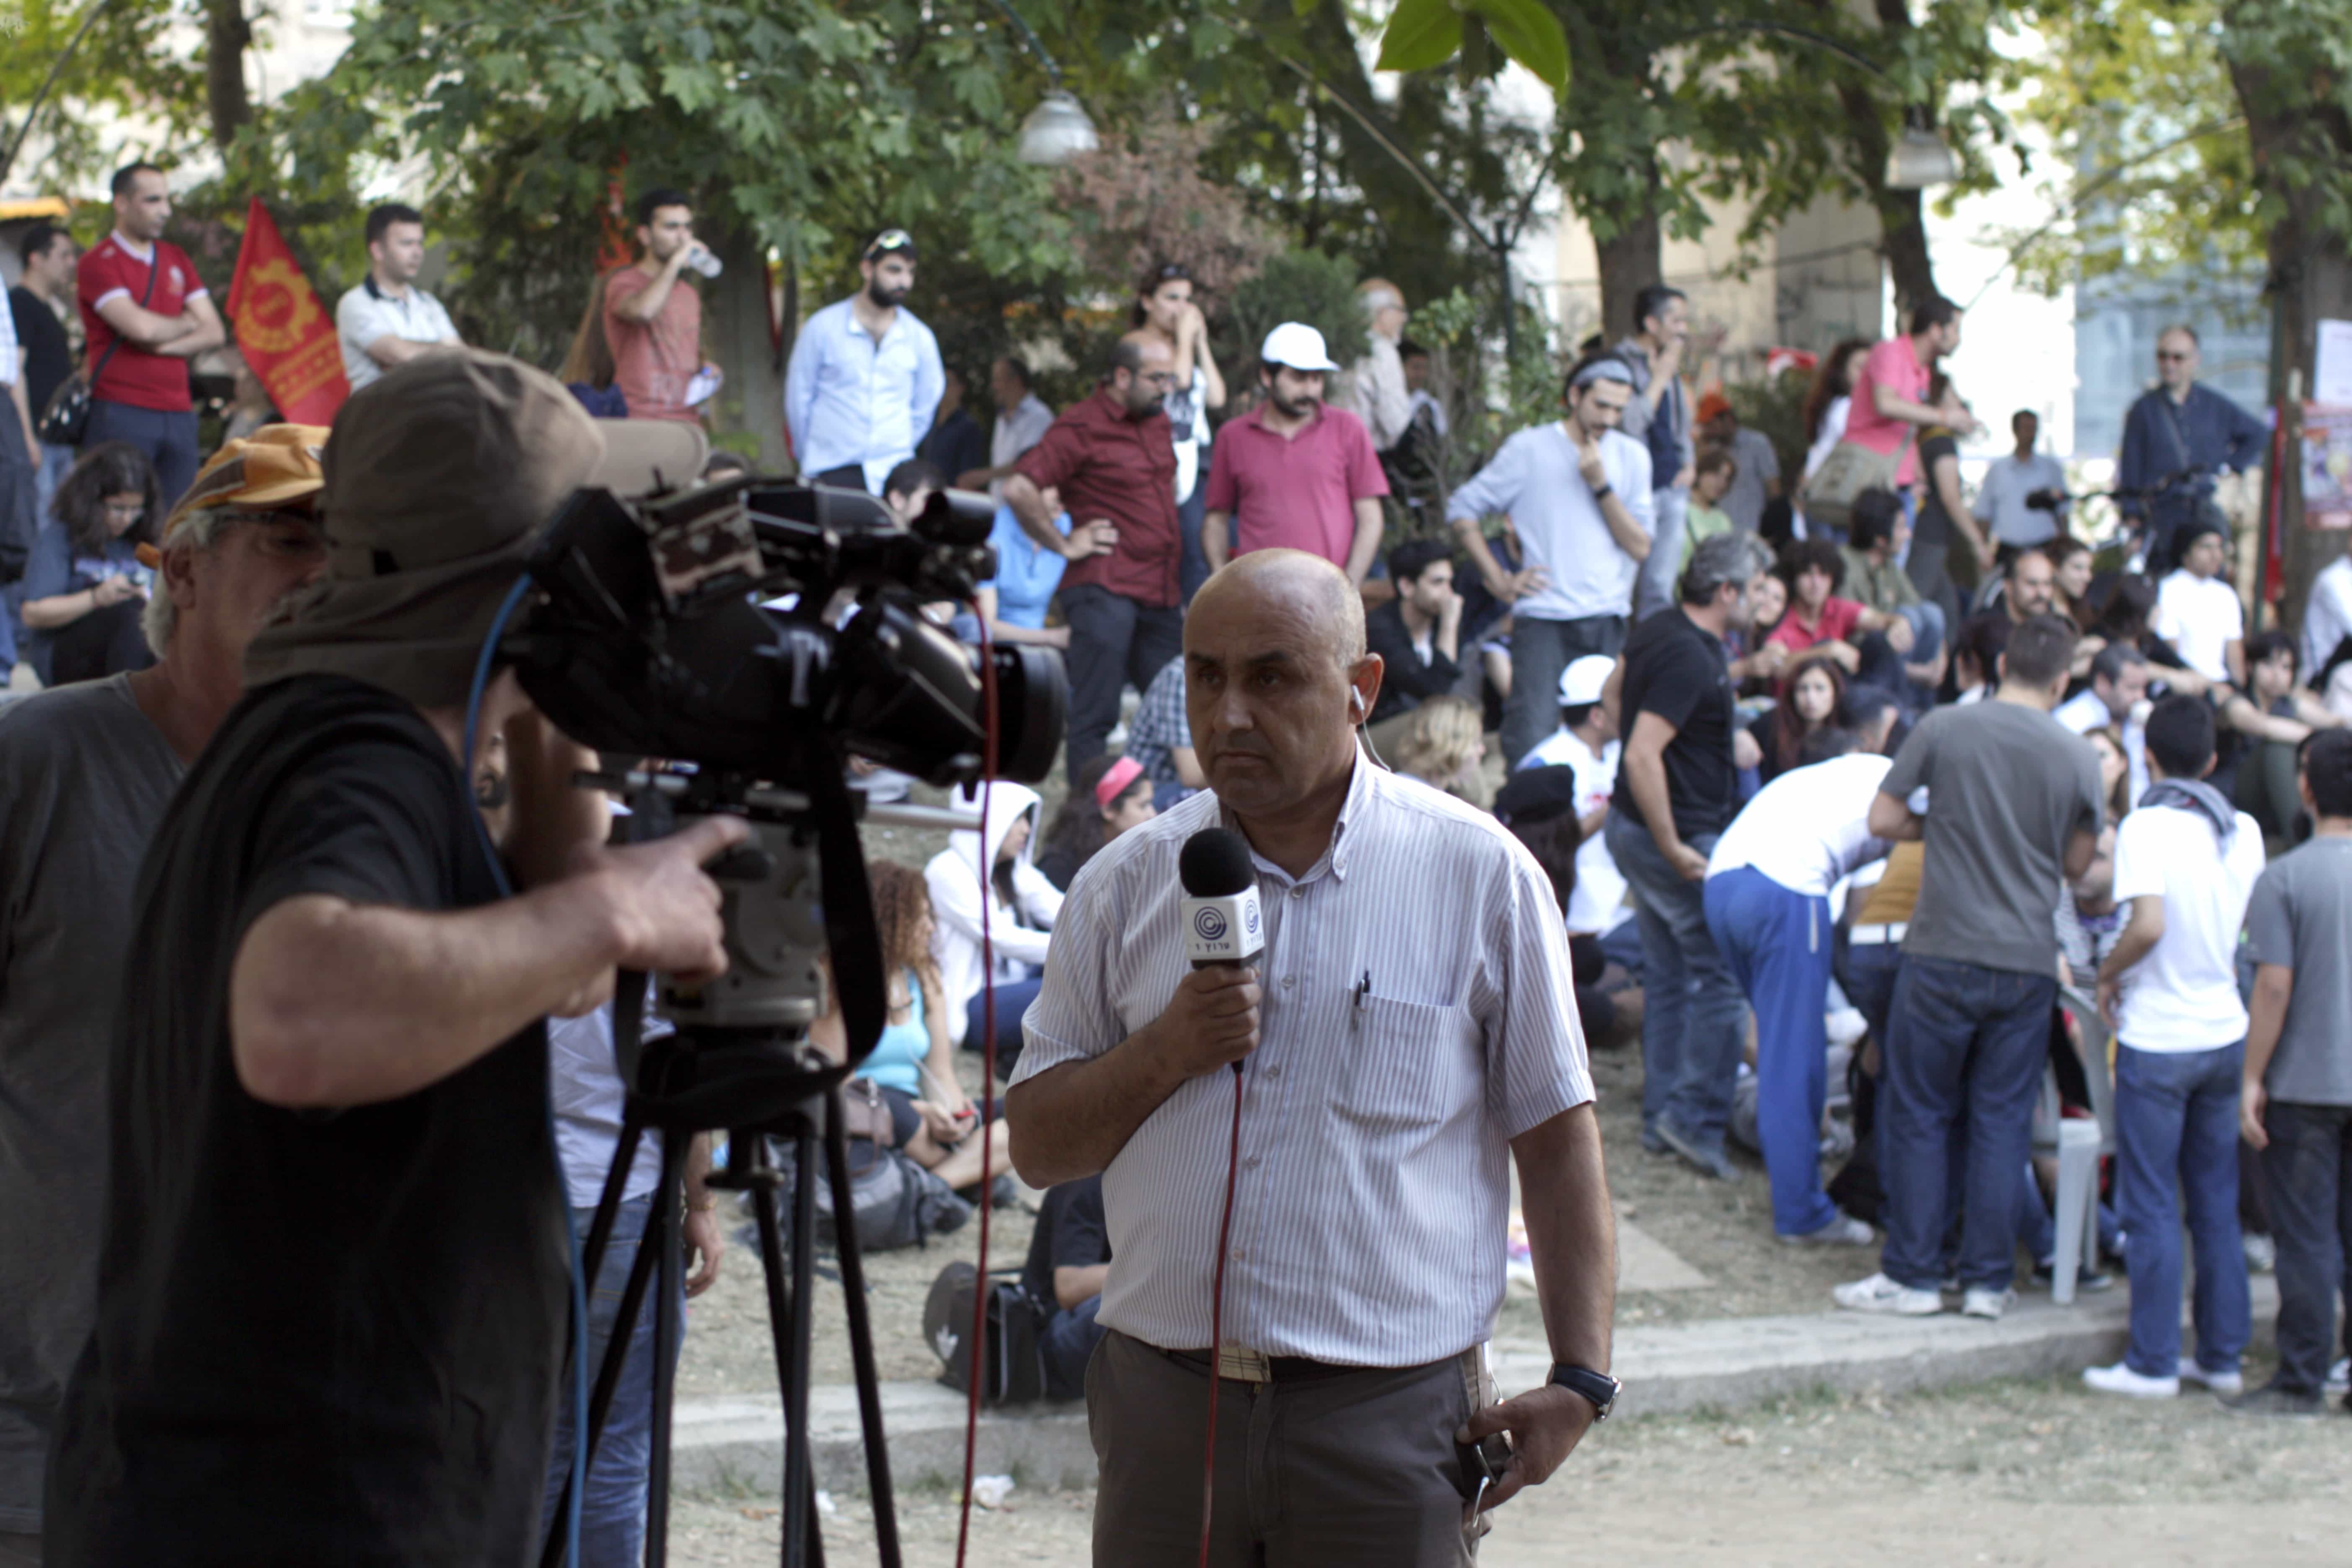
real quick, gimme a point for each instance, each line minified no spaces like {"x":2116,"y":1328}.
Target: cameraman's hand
{"x":1213,"y":1019}
{"x":666,"y":904}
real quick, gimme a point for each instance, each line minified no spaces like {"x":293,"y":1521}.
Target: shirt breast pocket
{"x":1407,"y":1063}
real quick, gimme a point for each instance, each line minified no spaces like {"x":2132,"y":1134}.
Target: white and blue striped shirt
{"x":1369,"y":1225}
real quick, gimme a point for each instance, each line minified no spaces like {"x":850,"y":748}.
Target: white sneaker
{"x":2261,"y":1253}
{"x":2339,"y":1377}
{"x":2121,"y":1379}
{"x":2219,"y":1381}
{"x":1980,"y":1302}
{"x":1843,"y":1231}
{"x":1880,"y":1294}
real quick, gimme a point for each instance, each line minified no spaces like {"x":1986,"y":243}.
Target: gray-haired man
{"x":1577,"y":493}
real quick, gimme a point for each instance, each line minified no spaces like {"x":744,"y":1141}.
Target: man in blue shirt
{"x":2176,"y":426}
{"x":865,"y":375}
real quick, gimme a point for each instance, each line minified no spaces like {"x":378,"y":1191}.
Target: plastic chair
{"x":2078,"y":1145}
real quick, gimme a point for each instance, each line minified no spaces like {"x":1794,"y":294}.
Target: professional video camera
{"x":756,"y":635}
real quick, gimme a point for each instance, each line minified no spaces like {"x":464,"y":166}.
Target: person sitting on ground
{"x":987,"y":878}
{"x":2186,"y":862}
{"x":2295,"y":1093}
{"x":1160,"y":736}
{"x":1070,"y":1263}
{"x":2072,"y":562}
{"x":2198,"y":610}
{"x":2124,"y":619}
{"x":1711,"y":479}
{"x":2116,"y":700}
{"x":1417,"y":634}
{"x":912,"y":1064}
{"x":1768,"y":887}
{"x":1818,"y":619}
{"x":1976,"y":655}
{"x":1812,"y":698}
{"x":2274,"y":717}
{"x":1587,"y":744}
{"x":1876,"y":537}
{"x":1443,"y":745}
{"x":1109,"y":795}
{"x":1015,"y":600}
{"x":1539,"y":805}
{"x":83,"y":587}
{"x":1757,"y":663}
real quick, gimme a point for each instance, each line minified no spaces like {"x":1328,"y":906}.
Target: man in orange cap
{"x":85,"y":773}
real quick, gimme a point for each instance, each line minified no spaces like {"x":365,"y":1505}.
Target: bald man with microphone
{"x":1407,"y":1027}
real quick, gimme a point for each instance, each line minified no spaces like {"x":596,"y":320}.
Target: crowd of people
{"x":1775,"y":750}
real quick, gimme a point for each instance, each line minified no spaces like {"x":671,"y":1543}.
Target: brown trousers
{"x":1351,"y":1471}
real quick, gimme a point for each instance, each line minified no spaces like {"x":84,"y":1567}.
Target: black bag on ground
{"x":1013,"y":1366}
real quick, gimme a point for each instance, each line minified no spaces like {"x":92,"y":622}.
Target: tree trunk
{"x":1903,"y":240}
{"x":1631,"y":260}
{"x":227,"y":38}
{"x":735,"y":304}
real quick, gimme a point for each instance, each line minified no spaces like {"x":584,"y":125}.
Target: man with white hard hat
{"x":1295,"y":473}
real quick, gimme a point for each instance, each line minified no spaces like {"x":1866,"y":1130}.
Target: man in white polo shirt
{"x":2198,"y":611}
{"x":388,"y":319}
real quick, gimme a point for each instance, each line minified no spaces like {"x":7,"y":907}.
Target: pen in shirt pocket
{"x":1361,"y":995}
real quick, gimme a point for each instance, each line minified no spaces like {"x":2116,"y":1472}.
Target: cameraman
{"x":331,"y":1304}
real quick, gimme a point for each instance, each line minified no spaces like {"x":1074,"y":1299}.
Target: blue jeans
{"x":55,"y":462}
{"x":2177,"y":1132}
{"x":1690,"y":1018}
{"x":1777,"y":944}
{"x":1013,"y":999}
{"x":169,"y":440}
{"x":1068,"y":1341}
{"x":613,"y":1507}
{"x":1540,"y":649}
{"x":1965,"y":1049}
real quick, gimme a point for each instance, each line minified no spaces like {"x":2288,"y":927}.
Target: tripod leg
{"x":665,"y":1232}
{"x":861,"y":1340}
{"x":771,"y":1267}
{"x":799,"y":1480}
{"x":616,"y":1344}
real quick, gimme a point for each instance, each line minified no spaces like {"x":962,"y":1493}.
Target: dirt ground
{"x":2025,"y":1473}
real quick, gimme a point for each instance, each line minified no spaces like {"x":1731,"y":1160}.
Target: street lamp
{"x":1920,"y":159}
{"x":1058,"y":130}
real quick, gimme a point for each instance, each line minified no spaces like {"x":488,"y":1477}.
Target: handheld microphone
{"x":1221,"y":923}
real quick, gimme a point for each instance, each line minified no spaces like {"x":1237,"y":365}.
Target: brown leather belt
{"x":1237,"y":1364}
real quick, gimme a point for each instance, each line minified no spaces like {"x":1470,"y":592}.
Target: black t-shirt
{"x":1934,"y":525}
{"x":321,"y":1337}
{"x":1679,"y":670}
{"x":49,"y":357}
{"x":1070,"y":1234}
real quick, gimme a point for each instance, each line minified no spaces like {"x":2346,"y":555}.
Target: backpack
{"x":894,"y":1202}
{"x":1014,"y":1370}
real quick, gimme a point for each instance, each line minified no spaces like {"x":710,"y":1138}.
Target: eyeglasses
{"x":1174,"y":269}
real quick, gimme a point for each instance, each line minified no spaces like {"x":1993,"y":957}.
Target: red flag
{"x":285,"y":334}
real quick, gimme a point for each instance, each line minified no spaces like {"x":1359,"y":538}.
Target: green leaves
{"x":1425,"y":34}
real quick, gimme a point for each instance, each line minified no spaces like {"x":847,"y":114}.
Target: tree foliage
{"x":122,"y":69}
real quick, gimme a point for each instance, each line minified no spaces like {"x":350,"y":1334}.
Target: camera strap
{"x":858,"y":975}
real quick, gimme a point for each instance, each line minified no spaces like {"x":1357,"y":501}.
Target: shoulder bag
{"x":65,"y":419}
{"x":1849,"y":471}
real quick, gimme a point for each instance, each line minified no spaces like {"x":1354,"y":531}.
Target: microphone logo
{"x":1253,"y":917}
{"x":1210,"y":923}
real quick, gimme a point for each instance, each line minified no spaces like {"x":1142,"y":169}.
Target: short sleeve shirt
{"x":2199,"y":617}
{"x":2183,"y":995}
{"x":2300,"y":918}
{"x":324,"y":1337}
{"x":1161,"y":725}
{"x":1894,"y":363}
{"x":653,"y":361}
{"x":1297,"y":492}
{"x":366,"y":314}
{"x":1070,"y":1234}
{"x":1679,"y":670}
{"x":1839,"y":619}
{"x":111,"y":271}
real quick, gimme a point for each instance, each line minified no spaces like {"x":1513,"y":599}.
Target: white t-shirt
{"x":1599,"y":902}
{"x":1809,"y":828}
{"x":366,"y":314}
{"x":2183,"y":997}
{"x":2326,"y":615}
{"x":2199,"y":617}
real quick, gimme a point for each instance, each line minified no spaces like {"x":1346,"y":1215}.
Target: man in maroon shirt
{"x":142,"y":300}
{"x":1295,"y":473}
{"x":1114,"y":459}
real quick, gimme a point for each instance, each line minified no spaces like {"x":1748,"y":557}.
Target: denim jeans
{"x":613,"y":1507}
{"x":1540,"y":649}
{"x":1013,"y":999}
{"x":2308,"y":1166}
{"x":56,"y":462}
{"x":1965,"y":1048}
{"x":1777,"y":943}
{"x":1113,"y":640}
{"x":1690,"y":1018}
{"x":169,"y":440}
{"x":2177,"y":1132}
{"x":1069,"y":1340}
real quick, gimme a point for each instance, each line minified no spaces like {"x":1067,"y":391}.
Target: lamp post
{"x":1058,"y":130}
{"x":1920,"y":158}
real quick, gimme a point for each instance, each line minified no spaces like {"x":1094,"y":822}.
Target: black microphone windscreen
{"x":1216,"y":864}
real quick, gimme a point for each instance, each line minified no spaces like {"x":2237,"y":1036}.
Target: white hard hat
{"x":1297,"y":345}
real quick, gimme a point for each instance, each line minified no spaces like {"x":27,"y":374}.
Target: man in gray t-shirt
{"x":2295,"y":1102}
{"x":2012,"y":808}
{"x":86,"y":772}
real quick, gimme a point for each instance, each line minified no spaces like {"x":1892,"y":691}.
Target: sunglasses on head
{"x":889,"y":239}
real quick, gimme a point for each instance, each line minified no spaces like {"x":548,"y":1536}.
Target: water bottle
{"x":701,"y":260}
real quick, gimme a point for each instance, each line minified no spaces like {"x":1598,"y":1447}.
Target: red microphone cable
{"x":1217,"y":1324}
{"x":978,"y":1360}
